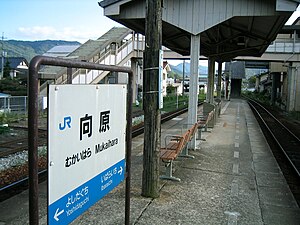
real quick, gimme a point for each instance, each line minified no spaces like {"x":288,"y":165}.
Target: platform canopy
{"x":228,"y":28}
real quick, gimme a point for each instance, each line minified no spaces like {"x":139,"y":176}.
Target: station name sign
{"x":86,"y":147}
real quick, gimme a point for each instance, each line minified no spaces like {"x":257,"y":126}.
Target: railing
{"x":45,"y":84}
{"x":284,"y":47}
{"x":18,"y":104}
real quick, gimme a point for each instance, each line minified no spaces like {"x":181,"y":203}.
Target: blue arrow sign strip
{"x":73,"y":204}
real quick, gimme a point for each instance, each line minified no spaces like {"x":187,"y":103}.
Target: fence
{"x":18,"y":104}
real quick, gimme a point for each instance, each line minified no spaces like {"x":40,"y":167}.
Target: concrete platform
{"x":233,"y":179}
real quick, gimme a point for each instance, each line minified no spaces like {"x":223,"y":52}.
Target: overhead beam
{"x":244,"y":32}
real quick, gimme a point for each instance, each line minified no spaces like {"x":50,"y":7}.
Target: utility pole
{"x":153,"y":33}
{"x":2,"y":56}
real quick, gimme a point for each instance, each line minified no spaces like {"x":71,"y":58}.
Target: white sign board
{"x":86,"y":147}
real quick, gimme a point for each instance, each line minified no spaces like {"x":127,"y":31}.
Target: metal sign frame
{"x":34,"y":66}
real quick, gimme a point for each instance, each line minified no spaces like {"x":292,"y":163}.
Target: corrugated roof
{"x":61,"y":50}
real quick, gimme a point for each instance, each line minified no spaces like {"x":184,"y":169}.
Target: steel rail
{"x":251,"y":103}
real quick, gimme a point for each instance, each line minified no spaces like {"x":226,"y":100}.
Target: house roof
{"x":14,"y":62}
{"x":3,"y":95}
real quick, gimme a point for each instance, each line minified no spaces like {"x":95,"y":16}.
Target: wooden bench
{"x":203,"y":121}
{"x":173,"y":148}
{"x":185,"y":151}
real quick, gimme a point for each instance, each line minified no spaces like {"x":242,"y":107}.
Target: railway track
{"x":284,"y":144}
{"x":16,"y":144}
{"x":21,"y":144}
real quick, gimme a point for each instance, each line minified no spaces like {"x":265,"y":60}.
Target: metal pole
{"x":2,"y":59}
{"x":33,"y":142}
{"x":69,"y":75}
{"x":128,"y":147}
{"x":2,"y":55}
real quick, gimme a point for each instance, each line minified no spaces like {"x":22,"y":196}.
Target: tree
{"x":251,"y":81}
{"x":13,"y":87}
{"x":6,"y":70}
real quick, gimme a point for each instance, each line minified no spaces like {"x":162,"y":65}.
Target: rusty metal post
{"x":33,"y":143}
{"x":69,"y":75}
{"x":128,"y":147}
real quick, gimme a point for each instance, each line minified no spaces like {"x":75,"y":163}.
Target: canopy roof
{"x":227,"y":28}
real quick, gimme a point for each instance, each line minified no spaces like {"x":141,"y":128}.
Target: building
{"x":18,"y":66}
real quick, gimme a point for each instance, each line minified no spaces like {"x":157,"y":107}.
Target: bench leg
{"x":206,"y":126}
{"x":211,"y":123}
{"x":168,"y":175}
{"x":199,"y":135}
{"x":185,"y":153}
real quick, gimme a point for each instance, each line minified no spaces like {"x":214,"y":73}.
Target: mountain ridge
{"x":178,"y":69}
{"x":29,"y":49}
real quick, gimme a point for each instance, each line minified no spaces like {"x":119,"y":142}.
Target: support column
{"x":194,"y":78}
{"x":257,"y":81}
{"x":134,"y":81}
{"x":210,"y":81}
{"x":275,"y":85}
{"x":153,"y":29}
{"x":293,"y":101}
{"x":219,"y":80}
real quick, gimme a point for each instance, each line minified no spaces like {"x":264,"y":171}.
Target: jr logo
{"x":67,"y":122}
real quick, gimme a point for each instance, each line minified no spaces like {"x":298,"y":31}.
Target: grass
{"x":172,"y":102}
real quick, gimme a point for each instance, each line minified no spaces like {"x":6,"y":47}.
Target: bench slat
{"x":166,"y":154}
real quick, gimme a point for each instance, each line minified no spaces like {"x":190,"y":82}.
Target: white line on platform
{"x":177,"y":119}
{"x":224,"y":108}
{"x":232,"y":217}
{"x":236,"y":154}
{"x":234,"y":188}
{"x":235,"y":168}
